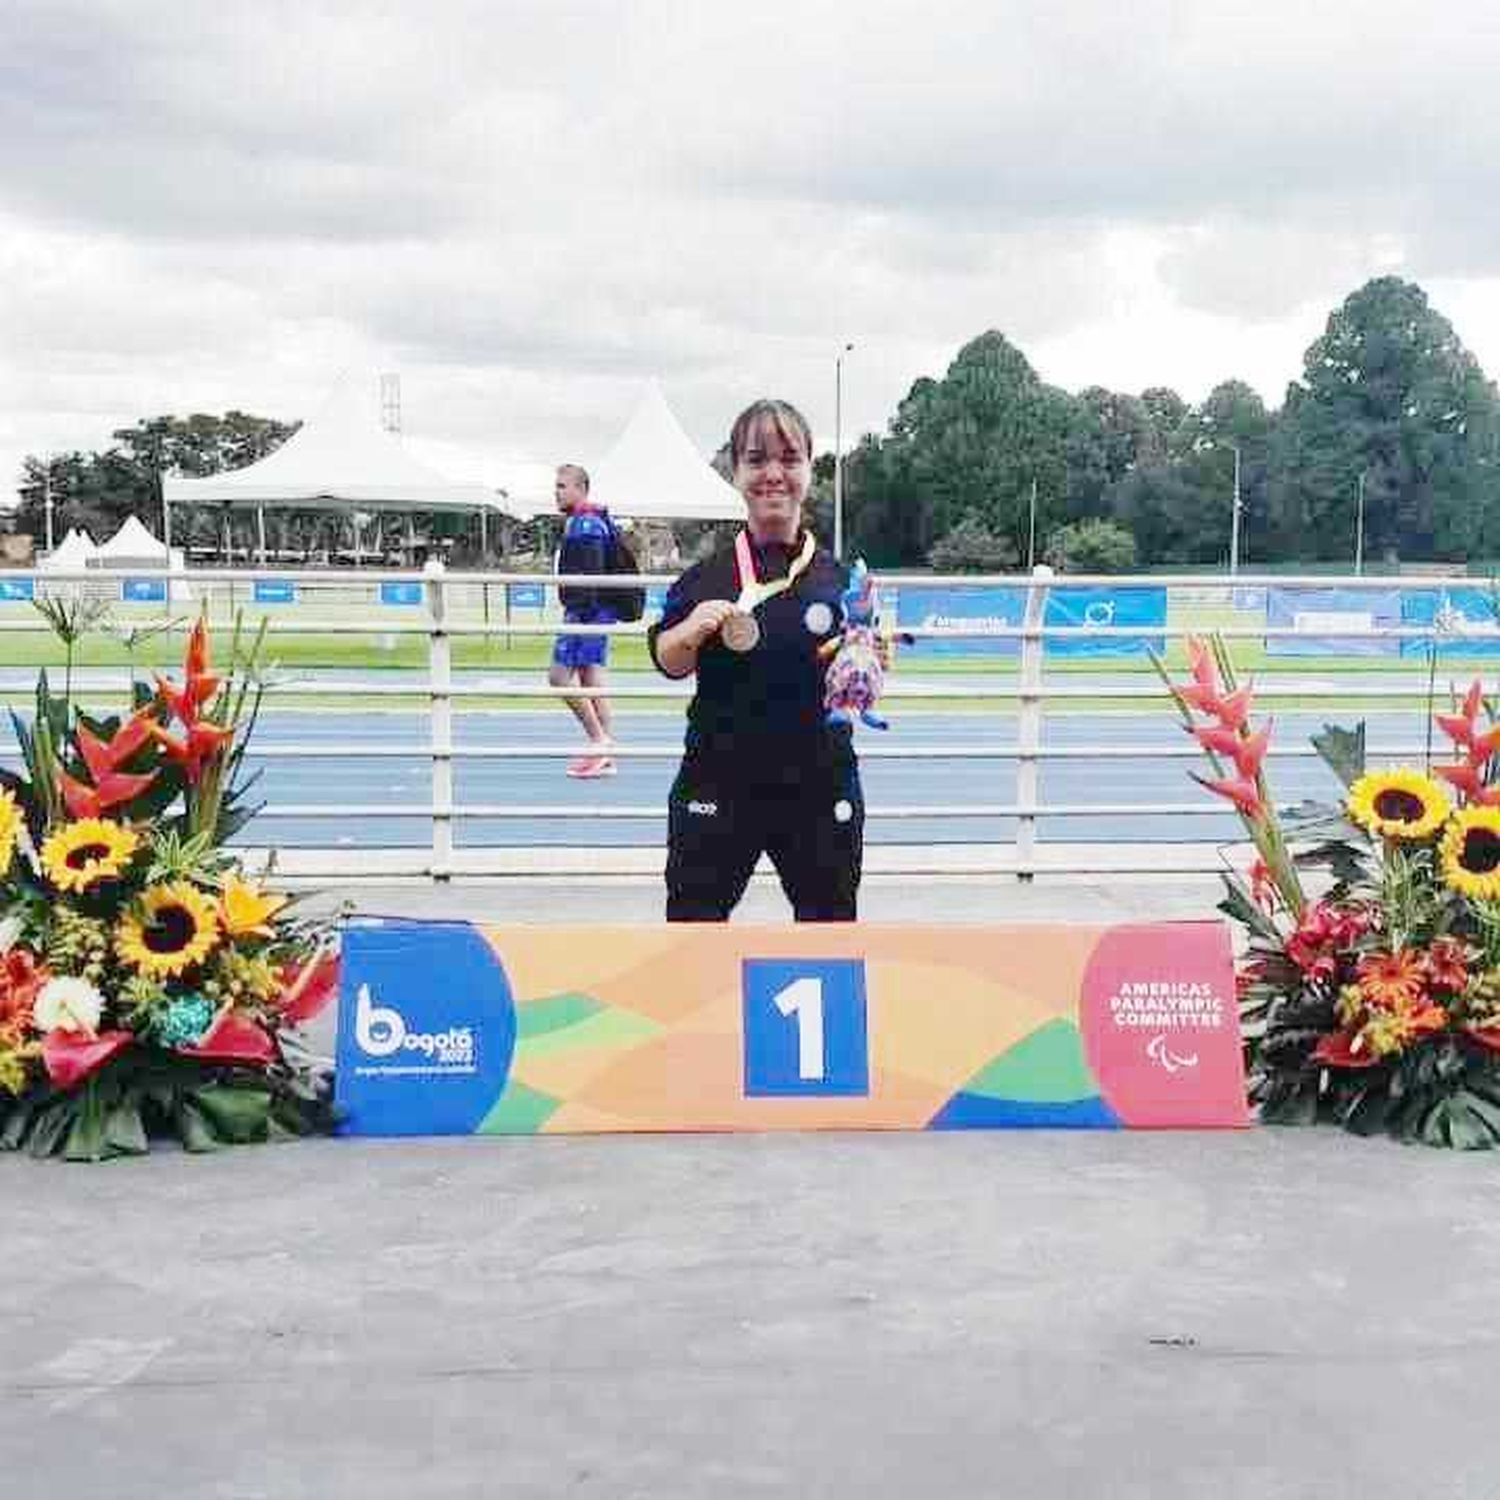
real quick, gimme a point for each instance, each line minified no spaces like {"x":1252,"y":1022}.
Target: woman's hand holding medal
{"x":707,"y":619}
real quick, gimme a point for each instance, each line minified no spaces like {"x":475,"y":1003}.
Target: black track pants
{"x":720,"y":819}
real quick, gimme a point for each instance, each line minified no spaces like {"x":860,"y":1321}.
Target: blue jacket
{"x":585,"y":549}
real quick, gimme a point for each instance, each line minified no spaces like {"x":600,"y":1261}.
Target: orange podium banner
{"x":458,"y":1028}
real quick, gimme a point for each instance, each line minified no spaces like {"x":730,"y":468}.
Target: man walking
{"x":587,"y":536}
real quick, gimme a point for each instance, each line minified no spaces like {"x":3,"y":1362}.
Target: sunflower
{"x":1399,"y":804}
{"x":171,"y":928}
{"x":81,"y":854}
{"x":10,"y":827}
{"x":1471,"y":852}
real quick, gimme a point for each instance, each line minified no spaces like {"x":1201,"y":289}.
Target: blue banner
{"x":1314,"y":612}
{"x":656,"y":599}
{"x":401,"y":593}
{"x":275,"y":591}
{"x":1465,"y":621}
{"x":950,"y":608}
{"x":14,"y":590}
{"x":143,"y":590}
{"x":527,"y":595}
{"x":1102,"y":609}
{"x":427,"y":1029}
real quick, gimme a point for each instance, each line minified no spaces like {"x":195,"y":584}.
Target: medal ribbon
{"x":753,"y":593}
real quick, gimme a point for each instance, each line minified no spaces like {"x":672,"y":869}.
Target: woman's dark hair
{"x":780,"y":416}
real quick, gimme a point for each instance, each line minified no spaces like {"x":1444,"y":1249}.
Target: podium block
{"x":456,"y":1028}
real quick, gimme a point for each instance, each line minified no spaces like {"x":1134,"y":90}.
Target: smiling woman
{"x":762,"y":769}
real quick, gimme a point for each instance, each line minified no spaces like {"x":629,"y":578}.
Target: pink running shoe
{"x":591,"y":767}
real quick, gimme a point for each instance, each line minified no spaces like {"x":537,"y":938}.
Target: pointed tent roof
{"x":133,"y":541}
{"x":654,"y":471}
{"x":75,"y":551}
{"x":341,"y":456}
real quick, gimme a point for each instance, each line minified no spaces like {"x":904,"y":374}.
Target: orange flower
{"x":21,"y":976}
{"x":1203,"y":691}
{"x":1392,"y":981}
{"x":201,"y":742}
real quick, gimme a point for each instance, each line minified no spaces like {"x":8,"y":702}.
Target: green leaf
{"x":124,"y":1130}
{"x":1343,"y":751}
{"x":239,"y":1115}
{"x":193,"y":1128}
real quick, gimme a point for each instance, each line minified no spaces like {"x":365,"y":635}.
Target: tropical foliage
{"x":148,"y":985}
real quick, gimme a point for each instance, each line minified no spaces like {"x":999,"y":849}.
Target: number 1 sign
{"x":805,"y":1027}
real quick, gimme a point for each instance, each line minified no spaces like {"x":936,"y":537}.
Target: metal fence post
{"x":440,"y":709}
{"x":1029,"y":725}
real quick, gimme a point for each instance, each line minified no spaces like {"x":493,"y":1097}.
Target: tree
{"x":1388,"y":392}
{"x":1093,"y":546}
{"x":98,"y":490}
{"x":970,"y":547}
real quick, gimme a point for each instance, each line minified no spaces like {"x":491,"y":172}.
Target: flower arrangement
{"x":1376,"y":1003}
{"x":147,"y":984}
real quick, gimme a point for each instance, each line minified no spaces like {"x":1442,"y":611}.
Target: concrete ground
{"x":1260,"y":1314}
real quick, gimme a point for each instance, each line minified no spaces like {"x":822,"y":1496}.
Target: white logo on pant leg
{"x":703,"y":809}
{"x":842,"y":811}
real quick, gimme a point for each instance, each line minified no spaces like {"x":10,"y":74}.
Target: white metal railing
{"x":449,"y":601}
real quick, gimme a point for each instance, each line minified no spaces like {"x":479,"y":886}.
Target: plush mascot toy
{"x":856,"y":675}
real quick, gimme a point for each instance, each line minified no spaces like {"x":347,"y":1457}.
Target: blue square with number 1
{"x":805,"y":1028}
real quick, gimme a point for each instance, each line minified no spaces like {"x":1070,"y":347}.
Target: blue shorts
{"x":578,"y":651}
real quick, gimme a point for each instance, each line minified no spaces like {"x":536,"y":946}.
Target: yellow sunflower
{"x":10,"y":827}
{"x":1471,"y":852}
{"x":1399,"y":804}
{"x":171,"y":928}
{"x":81,"y":854}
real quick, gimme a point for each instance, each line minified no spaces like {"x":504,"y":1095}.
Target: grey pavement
{"x":1131,"y":1316}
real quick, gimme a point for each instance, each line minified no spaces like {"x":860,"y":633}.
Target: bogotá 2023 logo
{"x":381,"y":1031}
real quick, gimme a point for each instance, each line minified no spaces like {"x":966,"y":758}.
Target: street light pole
{"x":47,"y":496}
{"x":838,"y":453}
{"x":1359,"y":529}
{"x":1234,"y":523}
{"x":1031,"y":530}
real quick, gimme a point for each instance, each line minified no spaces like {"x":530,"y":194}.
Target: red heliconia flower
{"x":200,"y":683}
{"x":1469,"y":780}
{"x":1203,"y":691}
{"x":1262,"y":887}
{"x":22,"y":974}
{"x":112,"y":790}
{"x":1234,"y":711}
{"x":307,"y":990}
{"x":1219,"y":740}
{"x":1244,"y":794}
{"x":104,"y":756}
{"x":1251,"y":751}
{"x":1458,"y":729}
{"x":234,"y":1038}
{"x":1336,"y":1050}
{"x":201,"y":741}
{"x":71,"y":1056}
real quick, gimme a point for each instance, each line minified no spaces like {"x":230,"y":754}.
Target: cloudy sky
{"x":528,"y":209}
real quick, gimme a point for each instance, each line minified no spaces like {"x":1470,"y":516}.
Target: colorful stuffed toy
{"x":856,"y":675}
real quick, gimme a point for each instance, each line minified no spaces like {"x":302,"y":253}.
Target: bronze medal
{"x":740,"y":632}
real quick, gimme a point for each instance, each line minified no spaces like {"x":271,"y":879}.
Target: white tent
{"x":340,"y":458}
{"x":655,"y":473}
{"x":74,"y":553}
{"x":134,"y":546}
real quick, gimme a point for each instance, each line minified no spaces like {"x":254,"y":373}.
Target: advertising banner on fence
{"x":275,"y":591}
{"x":1315,"y":612}
{"x":1106,"y":608}
{"x":451,"y":1028}
{"x":17,"y":590}
{"x":1465,"y":621}
{"x":939,"y":608}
